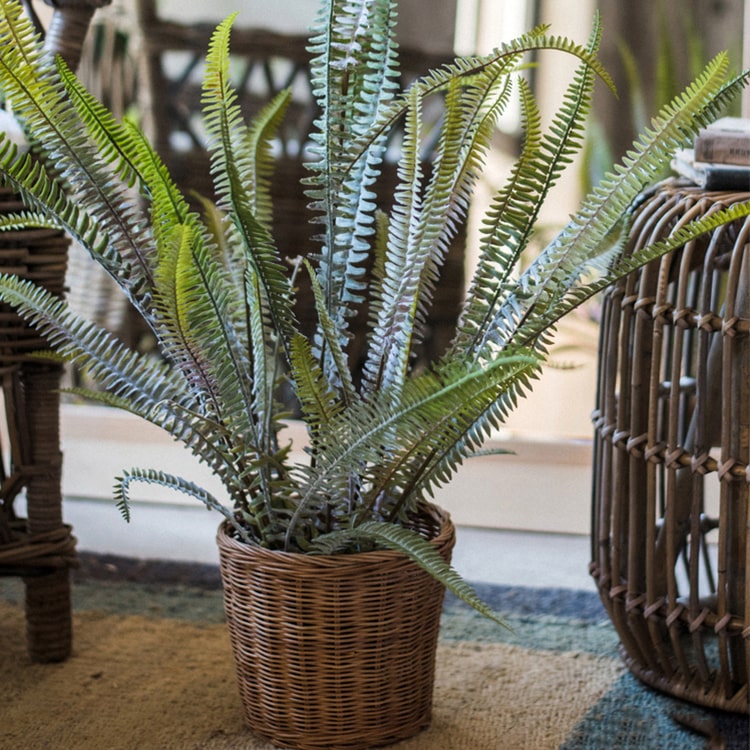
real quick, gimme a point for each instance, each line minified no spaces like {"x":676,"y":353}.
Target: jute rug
{"x":152,"y":670}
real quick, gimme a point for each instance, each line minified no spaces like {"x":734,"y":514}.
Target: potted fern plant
{"x":320,"y":542}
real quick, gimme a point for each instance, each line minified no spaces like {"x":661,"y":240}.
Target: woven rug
{"x":152,"y":670}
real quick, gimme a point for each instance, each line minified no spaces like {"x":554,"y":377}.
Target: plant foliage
{"x":218,"y":295}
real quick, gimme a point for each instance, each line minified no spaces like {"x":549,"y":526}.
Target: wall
{"x":432,"y":30}
{"x":539,"y":485}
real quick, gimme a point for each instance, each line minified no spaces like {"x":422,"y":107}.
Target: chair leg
{"x":49,"y":628}
{"x":48,"y":609}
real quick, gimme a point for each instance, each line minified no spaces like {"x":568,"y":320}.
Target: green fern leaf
{"x":512,"y":218}
{"x":318,"y":400}
{"x":340,"y":373}
{"x":133,"y":376}
{"x":259,"y":165}
{"x":593,"y":230}
{"x":504,"y":58}
{"x":33,"y":85}
{"x":390,"y":352}
{"x":228,"y":145}
{"x":151,"y":476}
{"x":353,"y":74}
{"x":433,"y":418}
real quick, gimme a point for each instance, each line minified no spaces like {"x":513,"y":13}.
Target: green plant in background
{"x":218,"y":296}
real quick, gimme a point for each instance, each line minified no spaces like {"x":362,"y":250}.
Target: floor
{"x":552,"y":477}
{"x":481,"y":555}
{"x":518,"y":558}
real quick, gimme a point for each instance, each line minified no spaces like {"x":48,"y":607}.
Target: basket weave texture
{"x":39,"y":255}
{"x":672,"y":456}
{"x":334,"y":651}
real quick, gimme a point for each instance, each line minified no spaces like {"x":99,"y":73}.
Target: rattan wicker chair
{"x":671,"y":512}
{"x":40,"y":547}
{"x":109,"y":70}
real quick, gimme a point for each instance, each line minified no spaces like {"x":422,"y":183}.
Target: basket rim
{"x":445,"y":538}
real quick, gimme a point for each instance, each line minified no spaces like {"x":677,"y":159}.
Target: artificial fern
{"x":218,"y":293}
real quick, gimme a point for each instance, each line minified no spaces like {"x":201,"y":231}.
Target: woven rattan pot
{"x":671,"y":513}
{"x":334,"y":651}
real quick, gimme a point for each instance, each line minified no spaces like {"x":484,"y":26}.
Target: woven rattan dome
{"x":672,"y":456}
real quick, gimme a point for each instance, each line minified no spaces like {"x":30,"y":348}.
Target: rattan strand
{"x":39,"y":255}
{"x":672,"y":456}
{"x":334,"y":652}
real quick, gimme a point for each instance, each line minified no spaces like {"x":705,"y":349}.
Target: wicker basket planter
{"x":670,"y":543}
{"x":338,"y":651}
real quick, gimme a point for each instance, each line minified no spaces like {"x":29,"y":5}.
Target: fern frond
{"x":626,"y":262}
{"x":33,"y":85}
{"x":353,"y":74}
{"x":318,"y":400}
{"x":341,"y":374}
{"x":416,"y":253}
{"x":132,"y":376}
{"x":115,"y":141}
{"x":504,"y":58}
{"x":228,"y":137}
{"x":394,"y":312}
{"x":46,"y":197}
{"x":506,"y":228}
{"x":27,"y":220}
{"x":470,"y":119}
{"x":179,"y":326}
{"x":204,"y":439}
{"x":201,"y":312}
{"x":162,"y":479}
{"x":513,"y":215}
{"x":247,"y":147}
{"x":595,"y":227}
{"x":429,"y":416}
{"x":444,"y":426}
{"x":252,"y":475}
{"x":259,"y":165}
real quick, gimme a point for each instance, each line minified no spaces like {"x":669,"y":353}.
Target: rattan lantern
{"x":672,"y":456}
